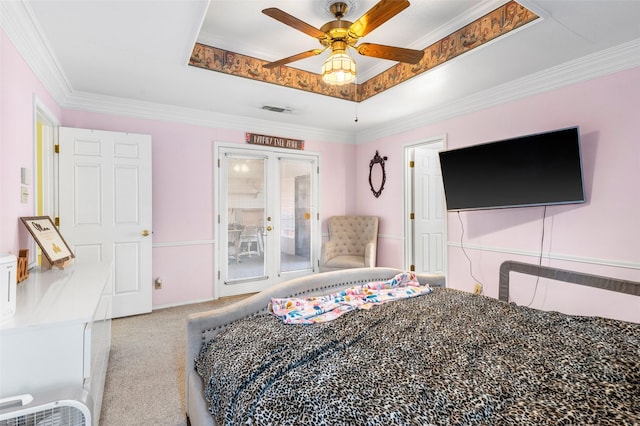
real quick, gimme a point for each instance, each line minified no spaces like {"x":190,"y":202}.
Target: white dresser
{"x":60,"y":335}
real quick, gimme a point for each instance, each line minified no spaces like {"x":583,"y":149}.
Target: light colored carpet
{"x":145,"y":378}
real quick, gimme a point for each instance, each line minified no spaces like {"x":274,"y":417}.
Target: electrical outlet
{"x":158,"y":284}
{"x":477,"y":289}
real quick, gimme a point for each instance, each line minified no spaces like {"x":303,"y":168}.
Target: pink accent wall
{"x":18,"y":89}
{"x":183,"y":196}
{"x":601,"y":236}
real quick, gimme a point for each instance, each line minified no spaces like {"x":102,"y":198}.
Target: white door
{"x":267,"y":217}
{"x":428,"y":230}
{"x":105,"y":208}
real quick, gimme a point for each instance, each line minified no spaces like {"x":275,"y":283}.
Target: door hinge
{"x":56,"y":148}
{"x":412,"y":268}
{"x":412,"y":216}
{"x":218,"y":163}
{"x":412,"y":164}
{"x":56,"y":221}
{"x":218,"y":219}
{"x":219,"y":274}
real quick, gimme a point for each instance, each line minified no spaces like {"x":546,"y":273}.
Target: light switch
{"x":25,"y":176}
{"x":24,"y":195}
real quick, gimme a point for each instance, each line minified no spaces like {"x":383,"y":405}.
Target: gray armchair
{"x":352,"y":243}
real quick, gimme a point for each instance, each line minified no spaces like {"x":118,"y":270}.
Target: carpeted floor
{"x":145,"y":378}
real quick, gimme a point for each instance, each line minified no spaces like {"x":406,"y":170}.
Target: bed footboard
{"x":606,"y":283}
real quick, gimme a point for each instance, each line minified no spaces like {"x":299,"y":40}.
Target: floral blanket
{"x":326,"y":308}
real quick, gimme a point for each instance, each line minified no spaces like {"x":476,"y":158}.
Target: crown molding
{"x":618,"y":58}
{"x":20,"y":25}
{"x":18,"y":22}
{"x":92,"y":102}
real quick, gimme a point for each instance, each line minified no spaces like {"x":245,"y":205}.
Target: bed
{"x":445,"y":357}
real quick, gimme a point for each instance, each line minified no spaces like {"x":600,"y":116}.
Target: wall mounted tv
{"x":532,"y":170}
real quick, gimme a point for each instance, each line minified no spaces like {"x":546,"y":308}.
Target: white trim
{"x":550,"y":256}
{"x":21,"y":26}
{"x":608,"y":61}
{"x":49,"y":167}
{"x":185,"y":303}
{"x":84,"y":101}
{"x":184,"y":243}
{"x":17,"y":19}
{"x":196,"y":30}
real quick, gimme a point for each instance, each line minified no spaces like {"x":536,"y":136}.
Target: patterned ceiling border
{"x":494,"y":24}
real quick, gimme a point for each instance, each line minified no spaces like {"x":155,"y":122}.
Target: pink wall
{"x":183,"y":190}
{"x":18,"y":89}
{"x":184,"y":247}
{"x":598,"y":237}
{"x":601,"y":236}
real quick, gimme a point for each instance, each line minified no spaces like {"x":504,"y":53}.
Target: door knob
{"x":145,"y":233}
{"x":269,"y":228}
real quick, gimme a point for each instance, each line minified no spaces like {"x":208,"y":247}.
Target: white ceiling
{"x":136,"y":52}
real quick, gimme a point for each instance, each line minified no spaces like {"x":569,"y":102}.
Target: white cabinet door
{"x":105,"y":208}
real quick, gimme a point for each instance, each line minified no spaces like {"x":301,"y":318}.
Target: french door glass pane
{"x":295,"y":214}
{"x":246,"y":201}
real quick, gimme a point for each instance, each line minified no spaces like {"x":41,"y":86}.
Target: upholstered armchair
{"x":352,"y":243}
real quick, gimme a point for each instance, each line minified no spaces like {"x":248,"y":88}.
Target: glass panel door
{"x":268,"y":227}
{"x":246,"y":205}
{"x":295,"y":214}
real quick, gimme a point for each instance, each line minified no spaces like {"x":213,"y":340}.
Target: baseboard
{"x":175,"y":305}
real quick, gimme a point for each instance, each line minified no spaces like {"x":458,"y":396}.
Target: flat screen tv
{"x":532,"y":170}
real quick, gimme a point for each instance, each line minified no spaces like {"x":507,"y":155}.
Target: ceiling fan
{"x":338,"y":35}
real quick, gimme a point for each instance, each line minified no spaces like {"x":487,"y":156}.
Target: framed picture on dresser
{"x":44,"y":232}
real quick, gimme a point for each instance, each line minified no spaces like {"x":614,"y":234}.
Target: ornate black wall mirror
{"x":377,"y":175}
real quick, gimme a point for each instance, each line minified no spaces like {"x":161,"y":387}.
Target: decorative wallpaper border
{"x":494,"y":24}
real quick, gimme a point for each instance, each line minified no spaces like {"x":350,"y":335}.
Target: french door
{"x":268,"y":227}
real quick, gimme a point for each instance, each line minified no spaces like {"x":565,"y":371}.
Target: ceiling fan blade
{"x":376,"y":16}
{"x":293,"y":58}
{"x":399,"y":54}
{"x":293,"y":22}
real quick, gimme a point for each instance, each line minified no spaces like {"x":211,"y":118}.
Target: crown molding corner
{"x":20,"y":25}
{"x":609,"y":61}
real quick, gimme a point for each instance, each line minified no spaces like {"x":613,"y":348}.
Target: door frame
{"x":44,"y":175}
{"x":409,"y":202}
{"x":219,"y":259}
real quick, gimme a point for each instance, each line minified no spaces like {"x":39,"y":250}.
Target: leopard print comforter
{"x":446,"y":358}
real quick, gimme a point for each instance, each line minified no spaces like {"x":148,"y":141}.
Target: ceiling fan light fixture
{"x":339,"y":68}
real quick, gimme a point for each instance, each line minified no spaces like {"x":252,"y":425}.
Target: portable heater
{"x":55,"y":408}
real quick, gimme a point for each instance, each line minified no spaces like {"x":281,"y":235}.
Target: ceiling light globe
{"x":339,"y":68}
